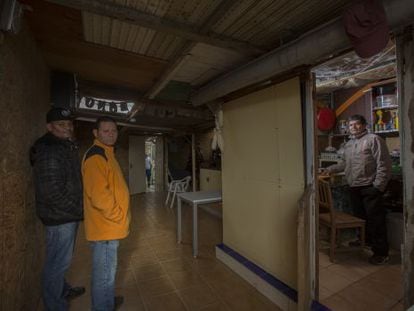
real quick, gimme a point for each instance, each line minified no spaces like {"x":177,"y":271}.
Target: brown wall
{"x":362,"y":106}
{"x":179,"y":153}
{"x":24,"y":98}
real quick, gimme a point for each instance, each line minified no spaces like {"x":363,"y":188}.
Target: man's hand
{"x":323,"y":172}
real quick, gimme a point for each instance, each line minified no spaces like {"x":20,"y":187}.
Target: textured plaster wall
{"x":24,"y":100}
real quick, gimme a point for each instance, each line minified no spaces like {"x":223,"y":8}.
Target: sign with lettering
{"x":105,"y":105}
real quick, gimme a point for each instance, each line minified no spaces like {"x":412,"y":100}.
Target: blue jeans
{"x":60,"y":241}
{"x":104,"y":262}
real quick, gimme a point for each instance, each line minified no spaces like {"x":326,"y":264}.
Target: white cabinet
{"x":210,"y":179}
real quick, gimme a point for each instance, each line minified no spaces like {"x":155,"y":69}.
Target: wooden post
{"x":405,"y":82}
{"x":193,"y":157}
{"x":159,"y":164}
{"x":166,"y":162}
{"x":304,"y":254}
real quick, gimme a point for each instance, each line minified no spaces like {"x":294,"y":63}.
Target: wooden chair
{"x":335,"y":220}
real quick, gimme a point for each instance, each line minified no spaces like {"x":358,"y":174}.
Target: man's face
{"x":107,"y":133}
{"x":62,"y":129}
{"x":356,"y":127}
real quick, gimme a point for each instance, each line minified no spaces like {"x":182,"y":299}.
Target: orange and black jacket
{"x":106,"y":195}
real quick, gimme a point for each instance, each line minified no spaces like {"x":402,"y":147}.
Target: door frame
{"x":405,"y":85}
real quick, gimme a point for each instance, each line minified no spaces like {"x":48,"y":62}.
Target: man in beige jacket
{"x":367,"y":166}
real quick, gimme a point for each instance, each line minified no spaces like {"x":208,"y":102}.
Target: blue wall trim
{"x":316,"y":306}
{"x":279,"y":285}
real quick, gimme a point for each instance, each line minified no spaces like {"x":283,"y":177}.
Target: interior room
{"x":221,"y":116}
{"x":346,"y":86}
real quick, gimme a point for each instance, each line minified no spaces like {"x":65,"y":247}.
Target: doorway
{"x":345,"y":86}
{"x":150,"y":163}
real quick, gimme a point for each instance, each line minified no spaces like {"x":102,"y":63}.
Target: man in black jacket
{"x":59,"y":204}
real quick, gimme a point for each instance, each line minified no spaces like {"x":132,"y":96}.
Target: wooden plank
{"x":134,"y":16}
{"x":304,"y":290}
{"x":102,"y":64}
{"x":405,"y":52}
{"x":59,"y":33}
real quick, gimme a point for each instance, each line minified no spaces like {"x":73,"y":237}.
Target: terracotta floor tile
{"x":148,"y":272}
{"x":248,"y":303}
{"x":124,"y":278}
{"x":197,"y":297}
{"x":324,"y":293}
{"x":324,"y":260}
{"x":156,"y":273}
{"x":176,"y":265}
{"x":155,"y":287}
{"x":388,"y":282}
{"x":144,"y":259}
{"x":132,"y":299}
{"x":230,"y":287}
{"x":185,"y":279}
{"x":362,"y":263}
{"x":269,"y":305}
{"x":168,"y":302}
{"x":82,"y":303}
{"x":217,"y":306}
{"x":217,"y":273}
{"x":348,"y":271}
{"x":133,"y":241}
{"x":333,"y":281}
{"x":366,"y":298}
{"x":79,"y":274}
{"x":205,"y":264}
{"x":164,"y":239}
{"x":134,"y":251}
{"x":338,"y":303}
{"x":171,"y":254}
{"x":125,"y":262}
{"x":388,"y":274}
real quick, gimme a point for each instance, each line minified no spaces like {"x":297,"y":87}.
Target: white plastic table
{"x":195,"y":198}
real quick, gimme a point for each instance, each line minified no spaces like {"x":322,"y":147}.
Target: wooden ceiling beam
{"x":134,"y":16}
{"x":182,"y":57}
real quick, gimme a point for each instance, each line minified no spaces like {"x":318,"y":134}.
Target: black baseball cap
{"x":58,"y":114}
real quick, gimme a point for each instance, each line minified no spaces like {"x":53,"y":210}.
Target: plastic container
{"x":384,"y":101}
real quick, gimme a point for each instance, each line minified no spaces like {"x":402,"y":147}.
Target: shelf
{"x":386,"y":108}
{"x":334,"y":135}
{"x":386,"y":131}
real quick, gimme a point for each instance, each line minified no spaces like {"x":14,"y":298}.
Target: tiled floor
{"x":156,"y":273}
{"x":351,"y":283}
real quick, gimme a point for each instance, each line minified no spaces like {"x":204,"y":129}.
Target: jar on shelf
{"x":383,"y":101}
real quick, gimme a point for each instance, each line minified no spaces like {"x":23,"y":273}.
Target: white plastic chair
{"x":177,"y":186}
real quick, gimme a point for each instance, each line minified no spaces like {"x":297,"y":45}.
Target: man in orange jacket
{"x":106,"y":209}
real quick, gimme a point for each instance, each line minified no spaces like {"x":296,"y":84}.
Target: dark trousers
{"x":148,"y":173}
{"x":366,"y":202}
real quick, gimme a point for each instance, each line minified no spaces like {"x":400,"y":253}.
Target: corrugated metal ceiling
{"x":125,"y":36}
{"x":206,"y":62}
{"x":265,"y":24}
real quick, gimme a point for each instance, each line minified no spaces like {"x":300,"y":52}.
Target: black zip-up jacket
{"x":58,"y":180}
